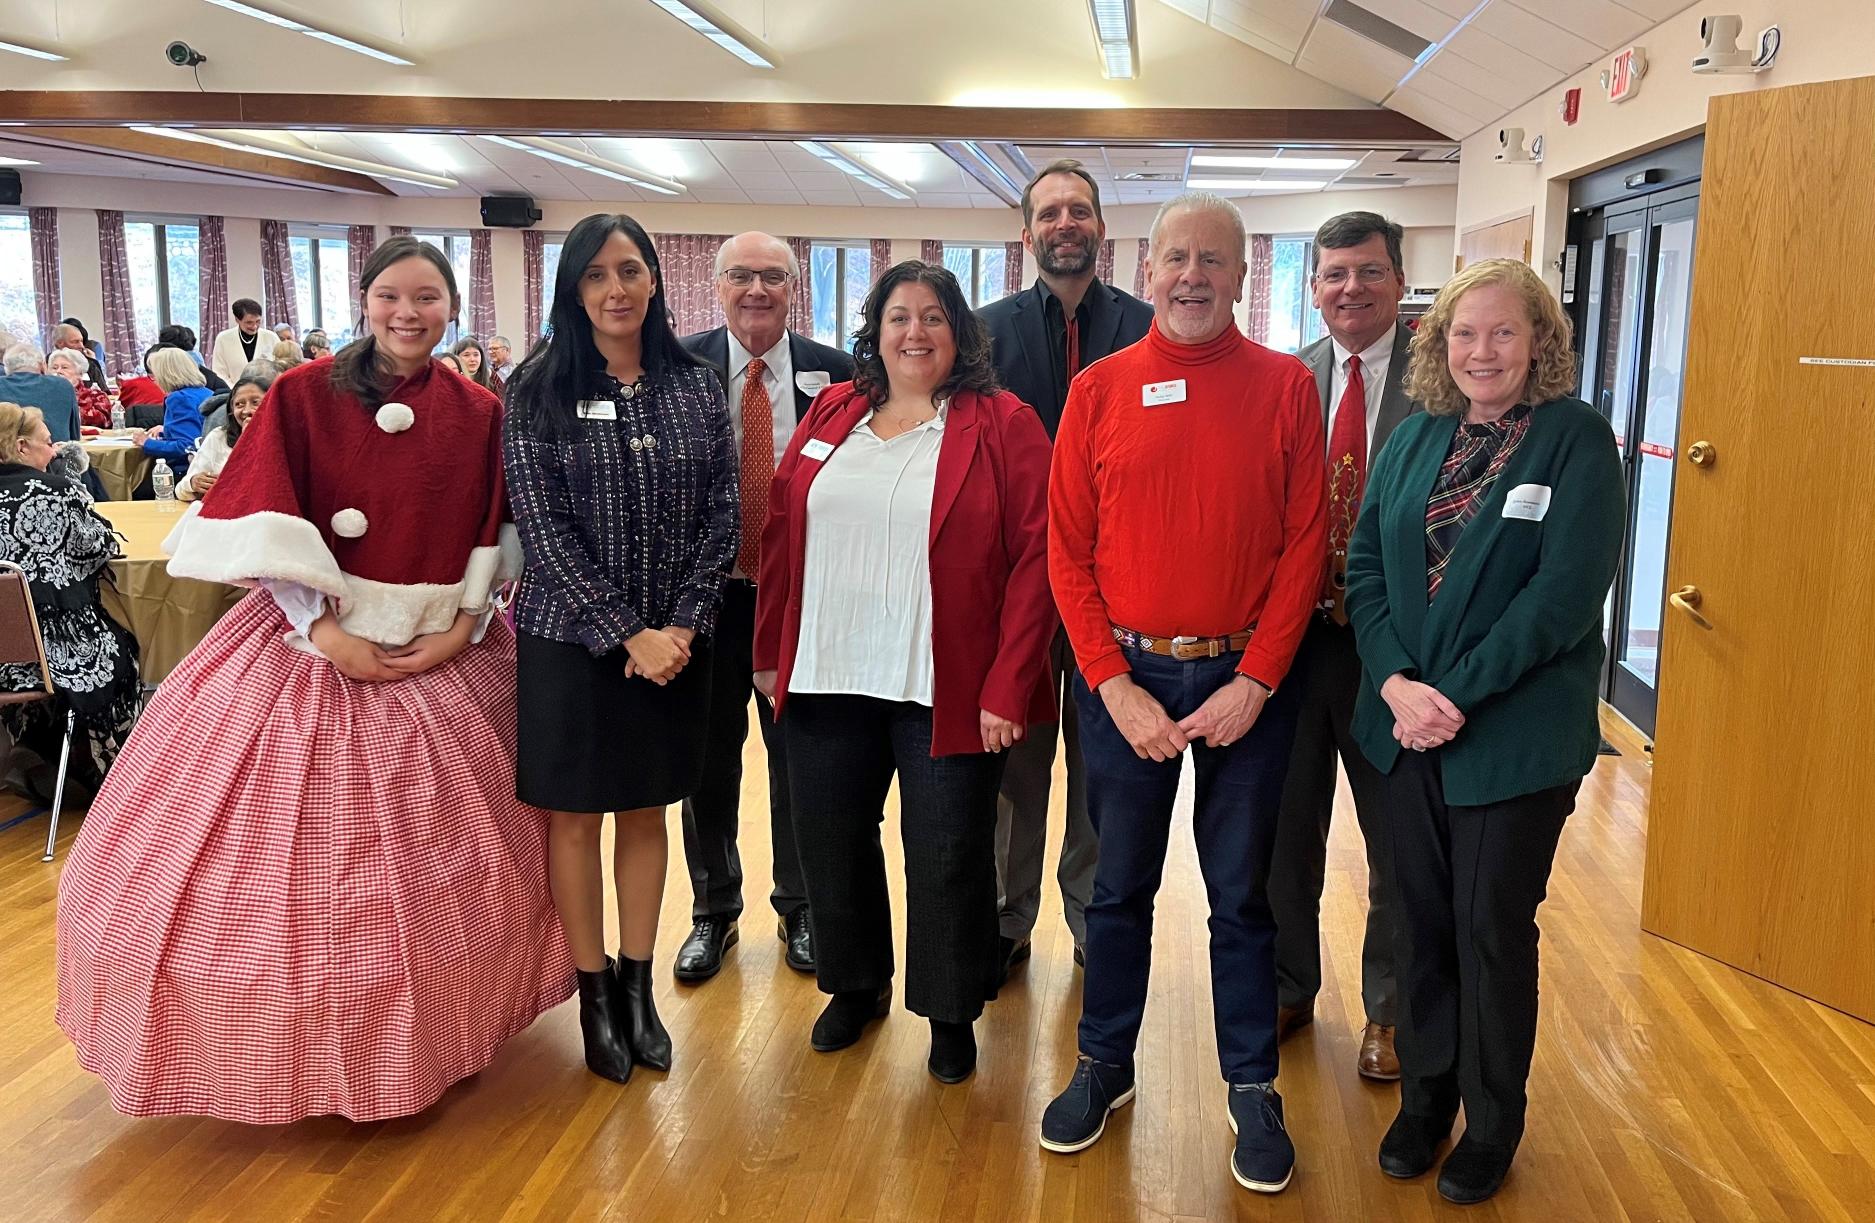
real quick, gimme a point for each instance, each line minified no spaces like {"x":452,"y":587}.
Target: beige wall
{"x":1823,"y":40}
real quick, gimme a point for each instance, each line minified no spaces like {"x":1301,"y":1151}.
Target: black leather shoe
{"x":1473,"y":1172}
{"x":608,"y":1052}
{"x":1014,"y":951}
{"x":1411,"y":1146}
{"x":847,"y":1014}
{"x":953,"y":1052}
{"x":1080,"y":955}
{"x":638,"y":1015}
{"x":701,"y":956}
{"x":795,"y":932}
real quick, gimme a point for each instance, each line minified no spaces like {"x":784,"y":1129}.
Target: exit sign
{"x":1622,"y":77}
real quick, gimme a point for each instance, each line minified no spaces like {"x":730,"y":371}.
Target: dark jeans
{"x":844,"y":751}
{"x":1234,"y":823}
{"x":712,"y":816}
{"x":1327,"y":677}
{"x":1469,"y":881}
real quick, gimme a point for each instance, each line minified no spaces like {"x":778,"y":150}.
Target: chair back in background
{"x":20,"y":641}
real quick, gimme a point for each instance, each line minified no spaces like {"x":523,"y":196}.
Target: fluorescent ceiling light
{"x":31,"y":52}
{"x":1115,"y":34}
{"x":16,"y":161}
{"x":1217,"y":162}
{"x":300,"y":27}
{"x":1256,"y":184}
{"x":858,"y":169}
{"x":719,"y":30}
{"x":331,"y":161}
{"x":566,"y":155}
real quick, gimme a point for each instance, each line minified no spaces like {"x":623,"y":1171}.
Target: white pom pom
{"x":351,"y":523}
{"x":396,"y":417}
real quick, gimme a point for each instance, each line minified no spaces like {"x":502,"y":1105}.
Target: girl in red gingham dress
{"x":307,"y":886}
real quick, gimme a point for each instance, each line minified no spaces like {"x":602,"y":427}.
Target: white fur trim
{"x":392,"y":613}
{"x":395,"y":417}
{"x":483,"y":573}
{"x":259,"y":545}
{"x":513,"y":560}
{"x":349,"y":523}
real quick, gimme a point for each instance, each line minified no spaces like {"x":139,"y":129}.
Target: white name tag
{"x":1155,"y":393}
{"x":812,"y":381}
{"x":596,"y":409}
{"x":816,"y":449}
{"x":1529,"y":502}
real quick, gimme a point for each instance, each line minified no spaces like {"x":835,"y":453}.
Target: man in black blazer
{"x":1357,"y":285}
{"x":1040,"y":338}
{"x":771,"y":375}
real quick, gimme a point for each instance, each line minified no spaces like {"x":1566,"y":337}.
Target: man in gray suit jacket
{"x":1359,"y":366}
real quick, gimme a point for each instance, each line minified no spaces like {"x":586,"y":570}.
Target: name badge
{"x":816,"y":449}
{"x":596,"y":409}
{"x":812,"y":381}
{"x":1529,"y":502}
{"x":1155,"y":393}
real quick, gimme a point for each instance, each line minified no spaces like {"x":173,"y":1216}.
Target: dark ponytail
{"x":359,"y":369}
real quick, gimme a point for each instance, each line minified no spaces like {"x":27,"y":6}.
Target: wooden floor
{"x":1666,"y":1087}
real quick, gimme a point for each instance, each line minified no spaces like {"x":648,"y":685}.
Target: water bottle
{"x":163,"y":482}
{"x":117,"y":415}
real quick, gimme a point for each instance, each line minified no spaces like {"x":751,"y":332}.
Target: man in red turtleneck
{"x":1186,"y":534}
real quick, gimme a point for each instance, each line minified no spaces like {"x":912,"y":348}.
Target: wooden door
{"x":1504,"y":240}
{"x":1761,"y":841}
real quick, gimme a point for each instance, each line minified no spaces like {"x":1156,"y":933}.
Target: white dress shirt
{"x":866,"y":582}
{"x":777,"y":376}
{"x":1375,"y":368}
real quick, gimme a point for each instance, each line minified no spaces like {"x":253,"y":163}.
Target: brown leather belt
{"x":1185,"y":649}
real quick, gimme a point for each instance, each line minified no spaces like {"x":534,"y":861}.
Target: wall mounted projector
{"x":1721,"y":53}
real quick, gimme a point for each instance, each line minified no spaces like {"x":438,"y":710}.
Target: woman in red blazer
{"x":902,"y":625}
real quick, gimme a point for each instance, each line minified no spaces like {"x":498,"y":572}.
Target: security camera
{"x":183,"y":55}
{"x":1510,"y":147}
{"x":1721,"y":54}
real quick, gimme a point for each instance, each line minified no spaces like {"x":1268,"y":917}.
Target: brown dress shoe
{"x":1292,"y":1019}
{"x":1378,"y":1060}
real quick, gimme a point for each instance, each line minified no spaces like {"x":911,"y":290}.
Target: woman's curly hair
{"x":1553,"y":373}
{"x":972,"y":369}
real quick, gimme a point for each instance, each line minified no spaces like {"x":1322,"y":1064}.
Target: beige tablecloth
{"x":168,"y":616}
{"x":120,"y":468}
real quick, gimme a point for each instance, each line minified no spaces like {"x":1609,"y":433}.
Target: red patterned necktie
{"x":758,"y":465}
{"x":1347,"y":478}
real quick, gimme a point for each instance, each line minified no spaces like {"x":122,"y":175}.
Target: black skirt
{"x":592,"y":740}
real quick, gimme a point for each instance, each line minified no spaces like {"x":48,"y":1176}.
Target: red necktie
{"x":758,"y":465}
{"x":1347,"y":478}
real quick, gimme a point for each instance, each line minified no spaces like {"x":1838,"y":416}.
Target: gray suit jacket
{"x":1394,"y":405}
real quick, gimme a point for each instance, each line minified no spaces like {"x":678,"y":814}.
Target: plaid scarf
{"x":1479,"y":453}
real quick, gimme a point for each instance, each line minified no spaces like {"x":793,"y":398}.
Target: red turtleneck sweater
{"x":1198,"y":516}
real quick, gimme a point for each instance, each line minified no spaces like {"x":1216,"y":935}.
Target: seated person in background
{"x":453,"y":362}
{"x":92,"y":346}
{"x":183,"y":396}
{"x":94,"y":406}
{"x":26,"y":383}
{"x":215,"y":408}
{"x":184,"y":338}
{"x":285,"y":332}
{"x":218,"y":443}
{"x":317,"y":345}
{"x":72,"y":339}
{"x":48,"y":528}
{"x":286,"y":354}
{"x":142,"y":389}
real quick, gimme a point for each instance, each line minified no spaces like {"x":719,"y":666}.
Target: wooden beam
{"x":744,"y":120}
{"x":259,"y":169}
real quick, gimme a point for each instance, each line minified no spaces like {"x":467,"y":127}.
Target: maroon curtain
{"x":120,"y":313}
{"x":801,"y":308}
{"x":1103,"y":262}
{"x":1012,"y":268}
{"x":881,"y":257}
{"x":688,"y":262}
{"x":276,"y":275}
{"x":1139,"y":270}
{"x":481,"y":284}
{"x":931,"y":251}
{"x":44,"y":224}
{"x":400,"y":231}
{"x":533,"y":269}
{"x":212,"y":298}
{"x":360,"y":241}
{"x":1262,"y":260}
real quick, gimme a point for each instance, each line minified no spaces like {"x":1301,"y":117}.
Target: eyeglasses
{"x":1367,"y":274}
{"x":742,"y":278}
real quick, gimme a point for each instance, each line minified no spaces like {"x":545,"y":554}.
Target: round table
{"x":168,"y":616}
{"x":121,"y":464}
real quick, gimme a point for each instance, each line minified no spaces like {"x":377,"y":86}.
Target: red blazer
{"x":992,"y":615}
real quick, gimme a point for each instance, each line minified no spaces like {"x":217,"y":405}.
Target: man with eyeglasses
{"x":771,"y":376}
{"x":1358,"y":366}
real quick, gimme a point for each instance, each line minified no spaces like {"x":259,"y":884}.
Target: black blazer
{"x":712,"y":348}
{"x":1019,"y":341}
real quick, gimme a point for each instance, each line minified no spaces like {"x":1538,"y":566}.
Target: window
{"x":1294,"y":320}
{"x":979,"y":269}
{"x":839,"y":276}
{"x":322,"y":284}
{"x":19,"y":312}
{"x":165,"y":277}
{"x":549,"y":268}
{"x":456,"y":248}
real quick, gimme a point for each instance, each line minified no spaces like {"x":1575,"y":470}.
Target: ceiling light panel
{"x":30,"y":52}
{"x":857,"y":169}
{"x":300,"y":27}
{"x":1217,"y":161}
{"x":1116,"y":36}
{"x":719,"y":30}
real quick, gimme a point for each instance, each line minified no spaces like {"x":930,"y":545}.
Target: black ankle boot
{"x":847,"y":1014}
{"x":608,"y":1054}
{"x":953,"y":1052}
{"x":638,"y":1015}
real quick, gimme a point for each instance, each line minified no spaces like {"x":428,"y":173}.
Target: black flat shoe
{"x":847,"y":1014}
{"x":638,"y":1015}
{"x":701,"y":956}
{"x":953,"y":1052}
{"x":608,"y":1052}
{"x":1412,"y":1143}
{"x":1473,"y":1172}
{"x":799,"y":937}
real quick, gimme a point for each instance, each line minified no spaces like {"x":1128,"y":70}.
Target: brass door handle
{"x":1702,"y":454}
{"x":1687,"y":599}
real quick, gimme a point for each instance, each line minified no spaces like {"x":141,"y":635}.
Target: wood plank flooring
{"x":1666,"y":1087}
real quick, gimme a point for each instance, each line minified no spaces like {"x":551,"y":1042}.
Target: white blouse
{"x":866,"y":585}
{"x":211,"y":455}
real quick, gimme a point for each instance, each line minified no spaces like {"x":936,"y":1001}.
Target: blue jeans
{"x":1239,"y":790}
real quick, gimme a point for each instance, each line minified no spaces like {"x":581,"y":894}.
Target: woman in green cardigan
{"x":1487,"y":540}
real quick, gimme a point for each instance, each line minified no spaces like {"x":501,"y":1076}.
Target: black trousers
{"x":713,"y":815}
{"x":844,"y":751}
{"x":1327,"y":676}
{"x":1469,"y":882}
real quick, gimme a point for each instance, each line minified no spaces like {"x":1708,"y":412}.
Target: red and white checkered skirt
{"x":301,"y":895}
